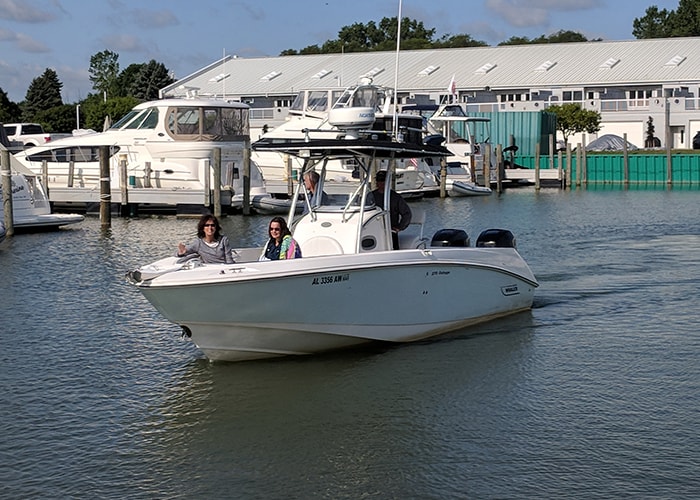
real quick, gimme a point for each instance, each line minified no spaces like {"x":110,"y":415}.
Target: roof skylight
{"x":485,"y":68}
{"x":428,"y":70}
{"x":545,"y":66}
{"x":270,"y":76}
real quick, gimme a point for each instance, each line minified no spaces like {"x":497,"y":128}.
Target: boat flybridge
{"x":167,"y":146}
{"x":349,"y":287}
{"x":314,"y":115}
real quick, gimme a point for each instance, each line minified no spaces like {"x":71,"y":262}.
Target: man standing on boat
{"x":399,"y":211}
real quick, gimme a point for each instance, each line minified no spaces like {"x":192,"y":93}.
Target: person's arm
{"x":227,"y":250}
{"x":183,"y":249}
{"x":404,"y":213}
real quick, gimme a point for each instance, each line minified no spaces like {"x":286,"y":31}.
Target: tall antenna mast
{"x":396,"y":75}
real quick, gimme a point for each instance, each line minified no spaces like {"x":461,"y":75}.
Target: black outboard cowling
{"x":450,"y":238}
{"x":501,"y":238}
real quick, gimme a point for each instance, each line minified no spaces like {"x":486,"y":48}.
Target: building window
{"x":639,"y":98}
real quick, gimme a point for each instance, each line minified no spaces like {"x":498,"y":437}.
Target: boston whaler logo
{"x":510,"y":290}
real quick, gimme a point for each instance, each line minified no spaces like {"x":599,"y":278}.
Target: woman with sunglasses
{"x":211,"y":246}
{"x":281,"y":245}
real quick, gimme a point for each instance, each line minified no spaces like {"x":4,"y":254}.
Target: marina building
{"x":632,"y":83}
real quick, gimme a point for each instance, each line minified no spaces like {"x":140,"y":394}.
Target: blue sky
{"x":187,"y":35}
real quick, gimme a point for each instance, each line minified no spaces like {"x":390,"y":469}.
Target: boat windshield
{"x":146,"y":120}
{"x":125,"y":119}
{"x":360,"y":97}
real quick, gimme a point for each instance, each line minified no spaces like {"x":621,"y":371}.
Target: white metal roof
{"x":583,"y":64}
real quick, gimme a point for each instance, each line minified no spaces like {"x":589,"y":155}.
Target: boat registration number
{"x":329,"y":279}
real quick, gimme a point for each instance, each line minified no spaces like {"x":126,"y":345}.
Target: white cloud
{"x":536,"y":13}
{"x":24,"y":11}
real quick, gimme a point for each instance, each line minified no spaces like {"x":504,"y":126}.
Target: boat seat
{"x":412,"y":236}
{"x":320,"y":245}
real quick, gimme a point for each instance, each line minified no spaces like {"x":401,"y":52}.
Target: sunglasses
{"x":209,"y":225}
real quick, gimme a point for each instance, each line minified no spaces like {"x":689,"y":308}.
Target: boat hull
{"x":311,"y":305}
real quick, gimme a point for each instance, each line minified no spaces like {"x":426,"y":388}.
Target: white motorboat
{"x":31,"y":209}
{"x":459,"y":188}
{"x":465,"y":137}
{"x":168,"y":147}
{"x":349,"y":287}
{"x":308,"y":118}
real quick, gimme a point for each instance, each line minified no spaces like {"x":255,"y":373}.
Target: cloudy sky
{"x":187,"y":35}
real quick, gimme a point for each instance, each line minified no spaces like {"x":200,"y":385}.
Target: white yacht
{"x":168,"y":149}
{"x":308,"y":118}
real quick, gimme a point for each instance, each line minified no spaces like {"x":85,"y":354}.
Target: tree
{"x":43,"y":94}
{"x":456,"y":41}
{"x":654,"y":24}
{"x":9,"y":111}
{"x":573,"y":119}
{"x":152,"y":77}
{"x":94,"y":110}
{"x":561,"y":36}
{"x":104,"y":69}
{"x":685,"y":21}
{"x":359,"y":37}
{"x":126,"y":79}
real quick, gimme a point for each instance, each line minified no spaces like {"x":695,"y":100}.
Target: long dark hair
{"x":283,"y":225}
{"x":203,"y":220}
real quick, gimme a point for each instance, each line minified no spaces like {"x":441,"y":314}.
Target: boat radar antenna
{"x":394,"y":128}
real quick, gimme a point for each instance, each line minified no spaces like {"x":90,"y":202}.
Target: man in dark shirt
{"x":399,"y":211}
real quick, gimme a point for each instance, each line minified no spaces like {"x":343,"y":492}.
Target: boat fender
{"x":186,"y":332}
{"x":450,"y":238}
{"x":501,"y":238}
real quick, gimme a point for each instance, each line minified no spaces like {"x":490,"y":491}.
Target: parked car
{"x":28,"y":134}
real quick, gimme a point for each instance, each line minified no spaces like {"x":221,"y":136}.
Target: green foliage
{"x":152,"y":77}
{"x":561,"y":36}
{"x":684,"y":21}
{"x":456,"y":41}
{"x":10,"y":112}
{"x":43,"y":94}
{"x":94,"y":110}
{"x":573,"y":119}
{"x":104,"y":70}
{"x":369,"y":37}
{"x":126,"y":79}
{"x":60,"y":119}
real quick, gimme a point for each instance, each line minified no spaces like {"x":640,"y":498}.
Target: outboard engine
{"x":450,"y":238}
{"x":496,"y":238}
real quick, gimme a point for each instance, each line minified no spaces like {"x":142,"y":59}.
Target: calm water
{"x":593,"y":394}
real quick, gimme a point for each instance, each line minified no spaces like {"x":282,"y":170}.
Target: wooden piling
{"x":569,"y":165}
{"x":6,"y":174}
{"x":443,"y":177}
{"x":290,"y":174}
{"x":217,"y":182}
{"x":246,"y":176}
{"x":578,"y":165}
{"x":625,"y":162}
{"x":45,"y":177}
{"x":537,"y":166}
{"x":487,"y":165}
{"x":124,"y":182}
{"x":499,"y":168}
{"x":105,"y":188}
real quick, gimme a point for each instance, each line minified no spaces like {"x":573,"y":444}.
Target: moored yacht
{"x":168,"y":147}
{"x":308,"y":118}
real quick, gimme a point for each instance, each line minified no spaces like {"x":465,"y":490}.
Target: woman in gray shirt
{"x":211,"y":246}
